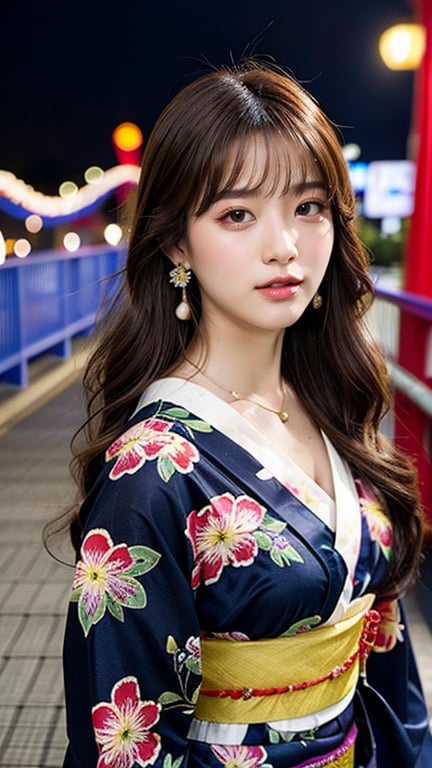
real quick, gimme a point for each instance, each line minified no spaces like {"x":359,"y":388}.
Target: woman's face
{"x":259,"y":258}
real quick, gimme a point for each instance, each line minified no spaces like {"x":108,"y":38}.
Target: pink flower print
{"x":379,"y":524}
{"x":190,"y":656}
{"x":105,"y":577}
{"x":390,"y":629}
{"x":221,"y":535}
{"x":235,"y":636}
{"x":122,"y":728}
{"x":148,"y":440}
{"x":239,"y":756}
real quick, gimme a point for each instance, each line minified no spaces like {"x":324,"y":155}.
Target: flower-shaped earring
{"x":179,"y":277}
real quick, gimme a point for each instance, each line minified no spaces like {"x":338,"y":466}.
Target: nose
{"x":281,"y":244}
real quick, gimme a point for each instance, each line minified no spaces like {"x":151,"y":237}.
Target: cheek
{"x":325,"y":245}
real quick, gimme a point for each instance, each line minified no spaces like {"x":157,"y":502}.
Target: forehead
{"x":268,"y":162}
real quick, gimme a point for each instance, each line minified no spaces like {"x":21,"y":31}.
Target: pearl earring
{"x":179,"y":277}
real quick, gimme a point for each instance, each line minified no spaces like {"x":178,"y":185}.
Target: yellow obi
{"x":256,"y":681}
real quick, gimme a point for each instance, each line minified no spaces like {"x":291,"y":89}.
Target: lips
{"x":281,"y":282}
{"x":280,"y":287}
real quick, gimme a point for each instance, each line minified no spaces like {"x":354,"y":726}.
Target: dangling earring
{"x":179,"y":277}
{"x":317,"y":301}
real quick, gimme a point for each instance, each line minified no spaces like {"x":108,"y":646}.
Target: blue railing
{"x":47,"y":299}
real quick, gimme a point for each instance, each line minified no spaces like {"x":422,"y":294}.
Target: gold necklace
{"x":281,"y":413}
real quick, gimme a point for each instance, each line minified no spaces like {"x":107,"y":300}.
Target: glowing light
{"x":93,"y":175}
{"x":71,"y":241}
{"x":351,"y":152}
{"x":391,"y":225}
{"x":127,"y":136}
{"x":22,"y":197}
{"x":402,"y":46}
{"x":2,"y":249}
{"x":113,"y":233}
{"x":22,"y":248}
{"x":67,"y":189}
{"x":33,"y":223}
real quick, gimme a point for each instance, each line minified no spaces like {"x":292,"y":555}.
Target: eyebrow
{"x":296,"y":189}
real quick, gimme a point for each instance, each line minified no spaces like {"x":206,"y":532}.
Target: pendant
{"x":183,"y":311}
{"x":283,"y":415}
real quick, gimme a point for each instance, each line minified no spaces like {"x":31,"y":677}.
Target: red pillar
{"x":412,"y":427}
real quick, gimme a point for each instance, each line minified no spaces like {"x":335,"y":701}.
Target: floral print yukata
{"x":198,"y":526}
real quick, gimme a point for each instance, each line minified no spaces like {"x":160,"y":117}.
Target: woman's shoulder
{"x":149,"y":469}
{"x":160,"y":435}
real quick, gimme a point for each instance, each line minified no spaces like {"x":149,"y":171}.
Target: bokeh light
{"x":402,"y":46}
{"x":68,"y":188}
{"x":351,"y":152}
{"x":33,"y":223}
{"x":113,"y":233}
{"x":71,"y":241}
{"x":127,"y":137}
{"x":93,"y":175}
{"x":22,"y":248}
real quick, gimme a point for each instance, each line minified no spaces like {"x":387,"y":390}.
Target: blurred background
{"x":70,"y":77}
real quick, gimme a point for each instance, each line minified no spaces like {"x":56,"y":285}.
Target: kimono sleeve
{"x":131,"y":650}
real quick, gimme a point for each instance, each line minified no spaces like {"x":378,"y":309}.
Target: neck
{"x":246,"y":369}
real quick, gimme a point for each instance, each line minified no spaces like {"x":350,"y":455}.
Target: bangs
{"x":264,"y":161}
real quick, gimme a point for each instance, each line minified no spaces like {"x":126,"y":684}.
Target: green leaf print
{"x":165,"y":468}
{"x":275,"y":526}
{"x":199,"y":426}
{"x":293,"y":555}
{"x":193,"y":665}
{"x":86,"y":619}
{"x":145,"y":559}
{"x":181,"y":414}
{"x":115,"y":609}
{"x":168,"y":761}
{"x":302,"y":625}
{"x":137,"y":597}
{"x":263,"y":540}
{"x":171,"y":644}
{"x":175,"y":413}
{"x":278,"y":558}
{"x":170,"y":699}
{"x":285,"y":556}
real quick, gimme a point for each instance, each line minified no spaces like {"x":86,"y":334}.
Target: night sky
{"x":72,"y":72}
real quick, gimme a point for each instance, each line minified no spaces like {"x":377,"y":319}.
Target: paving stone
{"x":19,"y":598}
{"x":16,"y":679}
{"x":47,"y":686}
{"x":8,"y":716}
{"x":52,"y":597}
{"x":35,"y":637}
{"x":9,"y":626}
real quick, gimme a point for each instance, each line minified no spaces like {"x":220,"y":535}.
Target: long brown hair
{"x":329,"y":357}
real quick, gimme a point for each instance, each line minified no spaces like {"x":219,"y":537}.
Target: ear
{"x":177,"y":254}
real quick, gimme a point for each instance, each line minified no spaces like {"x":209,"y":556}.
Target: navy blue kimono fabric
{"x":187,"y":535}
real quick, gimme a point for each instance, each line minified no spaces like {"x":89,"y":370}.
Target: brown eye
{"x":310,"y":209}
{"x":237,"y":217}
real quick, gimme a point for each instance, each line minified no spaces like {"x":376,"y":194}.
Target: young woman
{"x":245,"y":529}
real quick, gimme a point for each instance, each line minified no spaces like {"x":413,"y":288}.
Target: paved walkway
{"x":34,"y":588}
